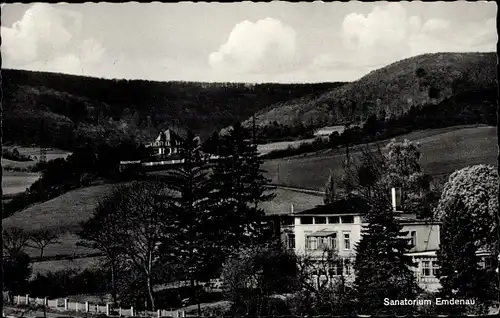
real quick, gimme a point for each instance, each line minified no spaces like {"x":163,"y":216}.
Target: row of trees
{"x":183,"y":226}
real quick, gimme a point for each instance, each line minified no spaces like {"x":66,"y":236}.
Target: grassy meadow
{"x":443,"y":151}
{"x":14,"y":182}
{"x":62,"y":213}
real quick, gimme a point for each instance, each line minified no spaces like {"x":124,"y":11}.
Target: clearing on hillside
{"x":443,"y":151}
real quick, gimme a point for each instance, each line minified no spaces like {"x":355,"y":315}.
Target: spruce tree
{"x":190,"y":242}
{"x":239,"y":186}
{"x":381,"y":267}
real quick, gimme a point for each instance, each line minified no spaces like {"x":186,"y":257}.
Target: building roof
{"x":353,"y":205}
{"x":285,"y":199}
{"x":168,"y":134}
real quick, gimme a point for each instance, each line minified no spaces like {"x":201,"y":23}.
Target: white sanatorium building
{"x":338,"y":225}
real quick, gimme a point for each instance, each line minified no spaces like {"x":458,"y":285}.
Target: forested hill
{"x":76,"y":109}
{"x":420,"y":81}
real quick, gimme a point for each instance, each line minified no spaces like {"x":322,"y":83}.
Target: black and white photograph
{"x":249,"y":159}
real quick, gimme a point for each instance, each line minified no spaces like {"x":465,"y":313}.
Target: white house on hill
{"x":167,"y":144}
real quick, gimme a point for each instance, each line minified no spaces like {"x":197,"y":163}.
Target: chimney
{"x":291,"y":208}
{"x":396,"y":198}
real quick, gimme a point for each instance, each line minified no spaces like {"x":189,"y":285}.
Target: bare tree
{"x":42,"y":238}
{"x":14,"y":241}
{"x":101,"y":232}
{"x":142,"y":211}
{"x":322,"y":275}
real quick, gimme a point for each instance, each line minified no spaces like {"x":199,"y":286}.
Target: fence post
{"x":120,"y":311}
{"x":132,"y":311}
{"x":45,"y":301}
{"x":76,"y":306}
{"x":65,"y":303}
{"x":158,"y":312}
{"x":107,"y":309}
{"x":86,"y":306}
{"x":27,"y":299}
{"x":18,"y":299}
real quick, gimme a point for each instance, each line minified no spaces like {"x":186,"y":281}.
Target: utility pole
{"x":43,"y":150}
{"x":253,"y":129}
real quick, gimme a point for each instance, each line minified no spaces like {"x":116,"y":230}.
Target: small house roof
{"x":352,"y":205}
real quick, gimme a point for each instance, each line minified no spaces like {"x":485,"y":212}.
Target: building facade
{"x":338,"y":226}
{"x":166,"y":144}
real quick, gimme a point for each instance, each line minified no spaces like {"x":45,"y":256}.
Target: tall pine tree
{"x":239,"y":186}
{"x":192,"y":244}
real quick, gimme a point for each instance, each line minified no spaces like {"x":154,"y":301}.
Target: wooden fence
{"x":107,"y":309}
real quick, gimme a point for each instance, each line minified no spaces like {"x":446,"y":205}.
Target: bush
{"x":68,"y":282}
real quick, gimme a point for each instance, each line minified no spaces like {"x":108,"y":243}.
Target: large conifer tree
{"x":239,"y":187}
{"x":189,"y":241}
{"x":381,"y":267}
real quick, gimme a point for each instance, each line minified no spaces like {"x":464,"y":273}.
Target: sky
{"x":238,"y":42}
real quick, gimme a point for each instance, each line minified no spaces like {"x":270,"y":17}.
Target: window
{"x":435,"y":268}
{"x":320,"y":220}
{"x":291,"y":241}
{"x":311,"y":242}
{"x":308,"y":241}
{"x":336,"y":268}
{"x":426,"y":268}
{"x":332,"y":241}
{"x":347,"y":219}
{"x":413,"y":235}
{"x":306,"y":220}
{"x":322,"y":243}
{"x":333,"y":219}
{"x":347,"y":241}
{"x":347,"y":267}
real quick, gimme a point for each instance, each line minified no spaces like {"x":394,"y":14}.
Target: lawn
{"x":443,"y":151}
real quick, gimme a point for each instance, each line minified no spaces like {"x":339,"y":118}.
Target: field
{"x":18,"y":181}
{"x":62,"y":213}
{"x":263,"y":149}
{"x":443,"y":151}
{"x":15,"y":181}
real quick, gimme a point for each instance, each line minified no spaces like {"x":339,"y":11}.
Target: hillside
{"x":74,"y":109}
{"x":443,"y":151}
{"x":428,"y":79}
